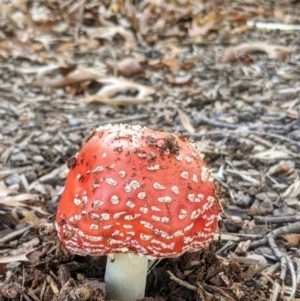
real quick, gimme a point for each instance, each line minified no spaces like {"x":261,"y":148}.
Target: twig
{"x":18,"y":170}
{"x":227,"y":246}
{"x":14,"y":234}
{"x":229,"y":132}
{"x":152,"y":264}
{"x":49,"y":176}
{"x":271,"y":127}
{"x":216,"y":291}
{"x":182,"y":283}
{"x":65,"y":139}
{"x":17,"y":288}
{"x":23,"y":279}
{"x":280,"y":256}
{"x":203,"y":286}
{"x":79,"y":16}
{"x":272,"y":26}
{"x":269,"y":272}
{"x":275,"y":291}
{"x":276,"y":219}
{"x":294,"y":278}
{"x":298,"y":269}
{"x":32,"y":294}
{"x":291,"y":228}
{"x":118,"y":101}
{"x":235,"y":236}
{"x":267,"y":277}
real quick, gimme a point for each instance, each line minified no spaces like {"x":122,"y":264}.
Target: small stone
{"x":297,"y":253}
{"x":38,"y":159}
{"x":284,"y":211}
{"x":12,"y":179}
{"x":19,"y":157}
{"x":31,"y":176}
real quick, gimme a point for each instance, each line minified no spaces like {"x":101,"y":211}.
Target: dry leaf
{"x":245,"y":176}
{"x":108,"y":33}
{"x":199,"y":28}
{"x":5,"y":191}
{"x":127,"y":67}
{"x":235,"y":53}
{"x":239,"y":30}
{"x":64,"y":77}
{"x":174,"y":49}
{"x":171,"y":63}
{"x":293,"y":190}
{"x":279,"y":15}
{"x":113,"y":86}
{"x":293,"y":239}
{"x":179,"y":80}
{"x":174,"y":65}
{"x":186,"y":121}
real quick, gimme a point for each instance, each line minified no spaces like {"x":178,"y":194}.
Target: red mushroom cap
{"x":132,"y":189}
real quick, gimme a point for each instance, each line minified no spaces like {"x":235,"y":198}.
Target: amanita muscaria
{"x":138,"y":194}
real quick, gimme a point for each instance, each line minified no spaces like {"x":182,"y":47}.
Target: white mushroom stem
{"x":125,"y":277}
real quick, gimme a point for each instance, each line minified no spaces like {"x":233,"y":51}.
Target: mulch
{"x":194,"y":67}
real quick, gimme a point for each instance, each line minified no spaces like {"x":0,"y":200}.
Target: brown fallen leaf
{"x":279,"y":15}
{"x":186,"y":121}
{"x":233,"y":54}
{"x":202,"y":28}
{"x":113,"y":87}
{"x":239,"y":30}
{"x":293,"y":239}
{"x":174,"y":48}
{"x":56,"y":76}
{"x":108,"y":33}
{"x":174,"y":65}
{"x":127,"y":67}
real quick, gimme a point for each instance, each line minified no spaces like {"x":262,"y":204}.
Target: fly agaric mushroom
{"x":138,"y":194}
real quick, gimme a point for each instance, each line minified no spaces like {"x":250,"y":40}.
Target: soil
{"x":195,"y":68}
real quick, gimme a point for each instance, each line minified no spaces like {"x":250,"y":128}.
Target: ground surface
{"x":181,"y":66}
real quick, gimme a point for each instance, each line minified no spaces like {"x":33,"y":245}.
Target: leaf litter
{"x":191,"y":67}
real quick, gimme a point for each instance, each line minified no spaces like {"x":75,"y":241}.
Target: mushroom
{"x":138,"y":194}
